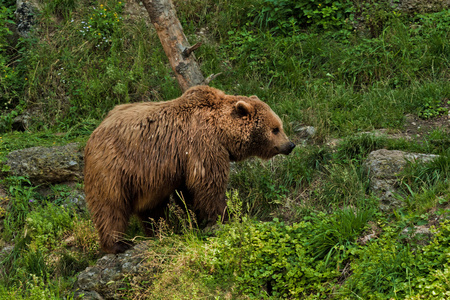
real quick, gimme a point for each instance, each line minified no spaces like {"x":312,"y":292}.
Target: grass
{"x":298,"y":221}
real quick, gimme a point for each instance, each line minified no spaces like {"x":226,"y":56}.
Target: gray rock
{"x":415,"y":230}
{"x":306,"y":131}
{"x":383,"y":167}
{"x":5,"y":251}
{"x":25,"y":16}
{"x":104,"y":279}
{"x":25,"y":120}
{"x":48,"y":165}
{"x":89,"y":296}
{"x":423,"y":6}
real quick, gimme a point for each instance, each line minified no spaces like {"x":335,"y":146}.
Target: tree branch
{"x":211,"y":78}
{"x":175,"y":44}
{"x":189,"y":50}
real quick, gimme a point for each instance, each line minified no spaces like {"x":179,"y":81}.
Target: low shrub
{"x":389,"y":269}
{"x":46,"y":225}
{"x":272,"y":259}
{"x":289,"y":261}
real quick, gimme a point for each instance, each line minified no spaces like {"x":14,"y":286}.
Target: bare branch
{"x":189,"y":50}
{"x":211,"y":78}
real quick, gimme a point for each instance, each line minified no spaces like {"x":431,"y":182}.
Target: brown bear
{"x":143,"y":152}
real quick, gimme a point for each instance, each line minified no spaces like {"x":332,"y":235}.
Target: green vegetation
{"x":305,"y":226}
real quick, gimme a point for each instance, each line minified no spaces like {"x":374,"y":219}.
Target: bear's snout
{"x":287,"y":148}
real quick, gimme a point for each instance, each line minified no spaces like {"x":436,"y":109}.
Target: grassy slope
{"x":339,"y":82}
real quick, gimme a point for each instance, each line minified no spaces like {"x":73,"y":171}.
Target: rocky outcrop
{"x":25,"y":16}
{"x":103,"y":280}
{"x":383,"y":167}
{"x":47,"y":165}
{"x":25,"y":120}
{"x":423,"y":6}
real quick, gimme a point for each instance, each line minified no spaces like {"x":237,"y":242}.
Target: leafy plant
{"x":284,"y":16}
{"x":271,"y":259}
{"x":432,"y":108}
{"x":6,"y":120}
{"x":102,"y":25}
{"x":46,"y":225}
{"x":433,"y":261}
{"x":22,"y":198}
{"x":384,"y":269}
{"x":34,"y":289}
{"x":387,"y":268}
{"x":437,"y":21}
{"x":329,"y":14}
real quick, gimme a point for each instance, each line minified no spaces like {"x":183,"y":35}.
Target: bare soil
{"x":417,"y":127}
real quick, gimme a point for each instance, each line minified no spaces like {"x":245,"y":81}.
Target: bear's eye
{"x":276,"y":130}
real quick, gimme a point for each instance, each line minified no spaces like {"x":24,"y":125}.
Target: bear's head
{"x":254,"y":130}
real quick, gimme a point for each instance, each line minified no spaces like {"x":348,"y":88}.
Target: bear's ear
{"x":243,"y":108}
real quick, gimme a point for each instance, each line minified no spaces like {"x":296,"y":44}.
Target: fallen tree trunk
{"x":177,"y":48}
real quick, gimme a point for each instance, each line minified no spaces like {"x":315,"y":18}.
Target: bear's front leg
{"x":206,"y":184}
{"x":111,"y":222}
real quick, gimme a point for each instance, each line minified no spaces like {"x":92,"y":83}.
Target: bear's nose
{"x":287,"y":148}
{"x":290,"y":147}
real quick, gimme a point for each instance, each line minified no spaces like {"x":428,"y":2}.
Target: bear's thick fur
{"x":142,"y":152}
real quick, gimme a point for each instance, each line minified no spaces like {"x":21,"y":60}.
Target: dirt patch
{"x":417,"y":127}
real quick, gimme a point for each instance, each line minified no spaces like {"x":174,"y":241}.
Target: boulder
{"x":103,"y":280}
{"x":423,"y":6}
{"x":25,"y":120}
{"x":25,"y":16}
{"x":47,"y":165}
{"x":383,"y":167}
